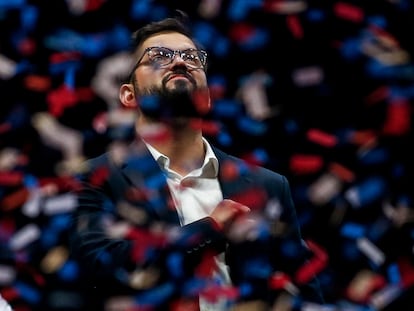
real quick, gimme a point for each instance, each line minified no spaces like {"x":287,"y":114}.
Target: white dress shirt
{"x":195,"y":196}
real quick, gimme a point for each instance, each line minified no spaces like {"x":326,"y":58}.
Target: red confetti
{"x":272,"y":5}
{"x":322,"y":138}
{"x":36,"y":275}
{"x":295,"y":26}
{"x":377,"y":95}
{"x":9,"y":293}
{"x":201,"y":101}
{"x":207,"y":265}
{"x":211,"y":128}
{"x":349,"y":12}
{"x":135,"y":194}
{"x":212,"y":294}
{"x":363,"y":137}
{"x":27,"y":46}
{"x":279,"y":280}
{"x":37,"y":83}
{"x":305,"y":164}
{"x":100,"y":122}
{"x":384,"y":35}
{"x":144,"y":241}
{"x":15,"y":199}
{"x":11,"y":178}
{"x":85,"y":94}
{"x":229,"y":171}
{"x":7,"y":228}
{"x":207,"y":127}
{"x":406,"y":272}
{"x":253,"y":198}
{"x":156,"y":134}
{"x":99,"y":176}
{"x":342,"y":172}
{"x":63,"y":183}
{"x":217,"y":91}
{"x":314,"y":266}
{"x":93,"y":5}
{"x":60,"y":99}
{"x":5,"y":127}
{"x":398,"y":121}
{"x":64,"y":57}
{"x":252,"y":159}
{"x":372,"y":284}
{"x":185,"y":305}
{"x":241,"y":32}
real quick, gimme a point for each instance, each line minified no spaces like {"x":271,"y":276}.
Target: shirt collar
{"x":209,"y":169}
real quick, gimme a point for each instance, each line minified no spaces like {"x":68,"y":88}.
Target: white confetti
{"x":24,"y":237}
{"x":60,"y":204}
{"x":371,"y":251}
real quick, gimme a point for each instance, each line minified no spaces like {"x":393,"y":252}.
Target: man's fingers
{"x":227,"y":211}
{"x":238,"y":207}
{"x":242,"y":208}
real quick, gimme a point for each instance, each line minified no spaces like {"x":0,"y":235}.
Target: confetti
{"x":24,"y":236}
{"x":321,"y":92}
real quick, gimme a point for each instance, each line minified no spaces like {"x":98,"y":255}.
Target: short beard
{"x":165,"y":104}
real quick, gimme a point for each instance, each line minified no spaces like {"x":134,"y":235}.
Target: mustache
{"x":181,"y":72}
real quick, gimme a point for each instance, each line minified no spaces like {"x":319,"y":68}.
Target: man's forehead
{"x":172,"y":40}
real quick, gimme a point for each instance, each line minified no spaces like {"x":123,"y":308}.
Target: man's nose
{"x":177,"y":59}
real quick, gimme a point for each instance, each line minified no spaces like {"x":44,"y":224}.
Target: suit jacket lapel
{"x":231,"y":187}
{"x":144,"y":173}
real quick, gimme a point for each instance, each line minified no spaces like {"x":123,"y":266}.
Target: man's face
{"x":176,"y":82}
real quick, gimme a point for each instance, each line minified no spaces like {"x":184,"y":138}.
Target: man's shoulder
{"x":94,"y":165}
{"x":97,"y":161}
{"x":247,"y":167}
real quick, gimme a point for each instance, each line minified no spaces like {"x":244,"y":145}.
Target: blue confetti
{"x":316,"y":15}
{"x":224,"y":138}
{"x":175,"y":265}
{"x":394,"y":274}
{"x":29,"y":17}
{"x":225,"y":108}
{"x":367,"y":191}
{"x":353,"y":230}
{"x":257,"y":40}
{"x":239,"y":9}
{"x":156,"y":296}
{"x":140,"y":9}
{"x":28,"y":293}
{"x":250,"y":126}
{"x":375,"y":156}
{"x":69,"y":271}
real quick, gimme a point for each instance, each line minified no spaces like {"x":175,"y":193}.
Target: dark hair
{"x":179,"y":23}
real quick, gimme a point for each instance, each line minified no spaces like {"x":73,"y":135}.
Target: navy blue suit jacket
{"x":135,"y":192}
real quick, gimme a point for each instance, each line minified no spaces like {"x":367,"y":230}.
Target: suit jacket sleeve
{"x":277,"y":247}
{"x":109,"y":246}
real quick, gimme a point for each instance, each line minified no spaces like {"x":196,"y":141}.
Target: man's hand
{"x":227,"y":211}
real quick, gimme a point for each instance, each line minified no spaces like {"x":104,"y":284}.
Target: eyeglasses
{"x":162,"y":56}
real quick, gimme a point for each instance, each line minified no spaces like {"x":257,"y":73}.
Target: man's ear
{"x":127,"y":96}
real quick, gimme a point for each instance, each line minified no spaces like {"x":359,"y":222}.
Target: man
{"x":175,"y":221}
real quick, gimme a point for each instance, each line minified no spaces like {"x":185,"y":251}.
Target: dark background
{"x":359,"y":108}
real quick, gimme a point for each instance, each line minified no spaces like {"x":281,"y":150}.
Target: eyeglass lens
{"x":164,"y":56}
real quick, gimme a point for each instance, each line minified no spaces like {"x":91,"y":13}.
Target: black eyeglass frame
{"x":173,"y":53}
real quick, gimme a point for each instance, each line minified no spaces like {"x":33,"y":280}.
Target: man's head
{"x":170,"y":66}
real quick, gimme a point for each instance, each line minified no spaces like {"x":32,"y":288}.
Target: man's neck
{"x":181,"y":142}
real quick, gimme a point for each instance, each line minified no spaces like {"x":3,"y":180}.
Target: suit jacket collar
{"x":142,"y":170}
{"x":233,"y":174}
{"x":144,"y":173}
